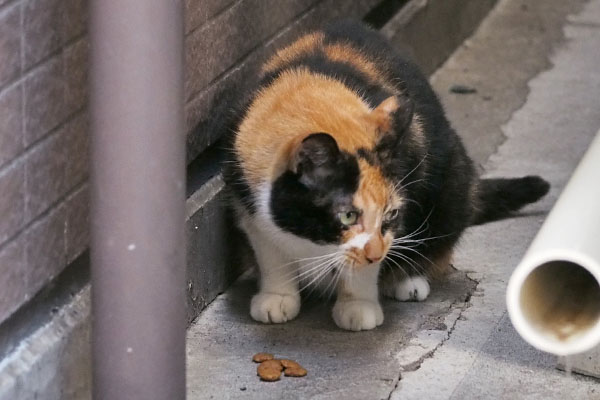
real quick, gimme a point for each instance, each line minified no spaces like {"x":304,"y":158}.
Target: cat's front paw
{"x":413,"y":288}
{"x":272,"y":308}
{"x":357,"y":315}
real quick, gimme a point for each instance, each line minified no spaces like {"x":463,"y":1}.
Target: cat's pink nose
{"x":374,"y":249}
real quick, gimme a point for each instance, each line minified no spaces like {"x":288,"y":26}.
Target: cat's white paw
{"x":357,"y":315}
{"x":413,"y":288}
{"x":272,"y":308}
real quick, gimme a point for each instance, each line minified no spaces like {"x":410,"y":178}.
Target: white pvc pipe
{"x":553,"y":296}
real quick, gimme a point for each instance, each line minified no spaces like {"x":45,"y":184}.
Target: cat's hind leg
{"x":412,"y":288}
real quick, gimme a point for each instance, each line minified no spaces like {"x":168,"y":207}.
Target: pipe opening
{"x":561,"y":301}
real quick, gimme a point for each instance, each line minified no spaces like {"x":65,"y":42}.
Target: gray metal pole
{"x":138,"y":200}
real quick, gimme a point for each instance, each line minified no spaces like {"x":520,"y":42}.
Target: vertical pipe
{"x":138,"y":200}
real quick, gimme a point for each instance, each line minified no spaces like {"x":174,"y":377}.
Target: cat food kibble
{"x":268,"y":372}
{"x":295,"y":371}
{"x":275,"y":364}
{"x":289,"y":364}
{"x":260,"y":357}
{"x":270,"y":368}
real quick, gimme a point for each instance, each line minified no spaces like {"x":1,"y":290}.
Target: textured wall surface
{"x":43,"y":144}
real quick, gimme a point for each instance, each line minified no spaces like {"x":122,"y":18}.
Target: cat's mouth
{"x":353,"y":259}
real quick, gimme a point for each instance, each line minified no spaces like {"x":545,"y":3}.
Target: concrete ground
{"x":535,"y":112}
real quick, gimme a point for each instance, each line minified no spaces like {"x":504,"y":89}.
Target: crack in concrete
{"x":462,"y":306}
{"x":415,"y":365}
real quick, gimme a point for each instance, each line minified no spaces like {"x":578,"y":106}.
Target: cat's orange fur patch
{"x":297,"y":104}
{"x":373,"y":189}
{"x":381,"y":114}
{"x":304,"y":45}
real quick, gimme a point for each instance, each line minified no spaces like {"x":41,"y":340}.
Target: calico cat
{"x":347,"y":176}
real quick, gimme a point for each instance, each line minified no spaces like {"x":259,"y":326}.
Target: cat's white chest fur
{"x":289,"y":264}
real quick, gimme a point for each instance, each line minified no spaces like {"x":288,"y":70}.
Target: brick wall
{"x":44,"y":138}
{"x":43,"y":144}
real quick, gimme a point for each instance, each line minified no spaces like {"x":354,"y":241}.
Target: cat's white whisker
{"x":418,"y":253}
{"x":301,"y":275}
{"x":407,"y":243}
{"x":411,"y":182}
{"x":411,"y":235}
{"x":336,"y":280}
{"x":420,"y":229}
{"x":397,"y":250}
{"x":412,"y":263}
{"x":337,"y":270}
{"x":412,"y":201}
{"x":398,"y":265}
{"x":307,"y":268}
{"x":315,"y":284}
{"x":413,"y":170}
{"x":419,"y":241}
{"x":393,"y":270}
{"x":319,"y":276}
{"x":315,"y":259}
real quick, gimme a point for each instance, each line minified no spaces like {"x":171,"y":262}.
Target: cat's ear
{"x":315,"y":159}
{"x":393,"y":114}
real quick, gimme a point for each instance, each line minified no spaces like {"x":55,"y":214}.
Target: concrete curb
{"x":428,"y":31}
{"x":54,"y":362}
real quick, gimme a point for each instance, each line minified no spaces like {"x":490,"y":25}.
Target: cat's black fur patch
{"x":309,"y":211}
{"x":500,"y":197}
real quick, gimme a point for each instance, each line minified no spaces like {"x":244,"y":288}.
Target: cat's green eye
{"x":392,"y":214}
{"x":348,"y":217}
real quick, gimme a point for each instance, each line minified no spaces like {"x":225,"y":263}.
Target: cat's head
{"x":345,"y":198}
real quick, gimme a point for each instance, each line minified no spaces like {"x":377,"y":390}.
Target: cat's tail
{"x":498,"y":198}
